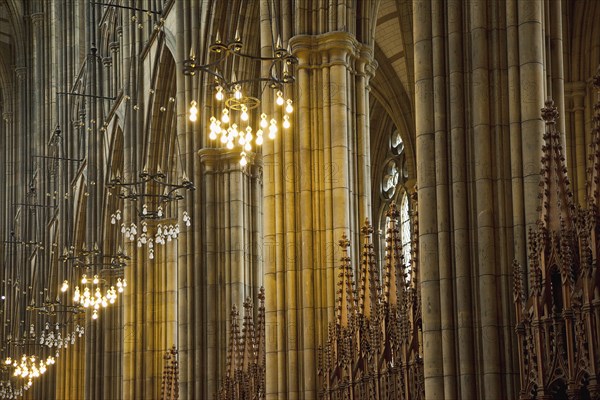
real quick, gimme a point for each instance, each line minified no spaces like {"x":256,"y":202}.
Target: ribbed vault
{"x":584,"y":37}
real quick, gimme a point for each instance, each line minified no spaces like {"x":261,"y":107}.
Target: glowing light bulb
{"x":65,"y":286}
{"x":279,"y":99}
{"x":225,"y":116}
{"x":244,"y":115}
{"x":247,"y":146}
{"x":212,"y":135}
{"x":288,"y":108}
{"x":84,"y":279}
{"x":243,"y":161}
{"x":193,"y":111}
{"x":219,"y":95}
{"x":230,"y":144}
{"x":95,"y":315}
{"x":238,"y":92}
{"x":263,"y":121}
{"x":273,"y":129}
{"x":259,"y":138}
{"x":95,"y":280}
{"x":286,"y":121}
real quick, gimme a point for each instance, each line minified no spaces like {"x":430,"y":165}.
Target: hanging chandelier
{"x":152,"y":196}
{"x":99,"y":279}
{"x":239,"y":118}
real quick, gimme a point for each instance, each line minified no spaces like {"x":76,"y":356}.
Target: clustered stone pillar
{"x":465,"y":207}
{"x":315,"y":189}
{"x":578,"y":95}
{"x":231,"y":197}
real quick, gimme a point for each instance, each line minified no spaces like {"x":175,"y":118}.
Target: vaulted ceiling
{"x":11,"y":20}
{"x":391,"y":108}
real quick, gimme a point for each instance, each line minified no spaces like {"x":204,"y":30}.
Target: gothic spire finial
{"x":556,"y":199}
{"x":369,"y":277}
{"x":234,"y":340}
{"x":593,"y":181}
{"x":394,"y":263}
{"x":346,"y":300}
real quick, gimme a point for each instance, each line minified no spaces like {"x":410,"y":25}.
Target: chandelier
{"x":99,"y":281}
{"x":238,"y":118}
{"x":152,"y":195}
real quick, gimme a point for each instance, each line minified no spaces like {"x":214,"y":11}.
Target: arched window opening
{"x":405,"y":233}
{"x":393,"y":177}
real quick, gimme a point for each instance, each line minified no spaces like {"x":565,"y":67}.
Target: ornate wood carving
{"x":558,"y":316}
{"x":170,"y":378}
{"x":246,"y":358}
{"x":373,"y":349}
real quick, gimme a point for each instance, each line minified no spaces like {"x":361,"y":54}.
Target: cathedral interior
{"x":300,"y":199}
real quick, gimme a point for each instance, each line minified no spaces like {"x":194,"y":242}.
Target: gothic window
{"x":393,"y":180}
{"x":405,"y":230}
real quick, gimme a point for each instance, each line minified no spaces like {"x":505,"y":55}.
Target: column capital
{"x":338,"y":45}
{"x":216,"y":160}
{"x":7,"y":116}
{"x":37,"y":18}
{"x":114,"y":46}
{"x":21,"y":72}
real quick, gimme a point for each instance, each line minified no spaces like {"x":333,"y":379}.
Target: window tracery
{"x":394,"y":177}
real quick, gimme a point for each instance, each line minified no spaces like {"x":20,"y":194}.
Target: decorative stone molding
{"x":333,"y":48}
{"x":21,"y":73}
{"x":37,"y":19}
{"x":114,"y":47}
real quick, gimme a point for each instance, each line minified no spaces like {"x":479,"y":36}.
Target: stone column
{"x":465,"y":163}
{"x":312,"y":196}
{"x":8,"y":170}
{"x":232,"y":231}
{"x":578,"y":95}
{"x":531,"y":69}
{"x":426,"y":181}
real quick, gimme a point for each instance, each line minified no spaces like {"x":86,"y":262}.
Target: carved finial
{"x":556,"y":199}
{"x":367,"y":229}
{"x":392,"y":211}
{"x":593,"y":180}
{"x":549,"y":112}
{"x":344,"y":242}
{"x":518,"y":283}
{"x":346,"y":300}
{"x":369,"y":275}
{"x":393,"y":268}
